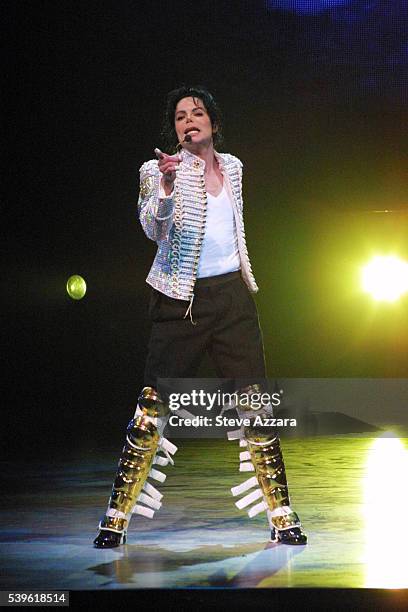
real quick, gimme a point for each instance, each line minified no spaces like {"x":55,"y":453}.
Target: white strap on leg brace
{"x":244,"y":456}
{"x":156,"y":475}
{"x":147,"y":512}
{"x":168,"y":446}
{"x":152,"y":491}
{"x":159,"y":460}
{"x":249,"y":499}
{"x":149,"y":501}
{"x":257,"y":509}
{"x":246,"y":466}
{"x":236,"y":434}
{"x":245,"y":486}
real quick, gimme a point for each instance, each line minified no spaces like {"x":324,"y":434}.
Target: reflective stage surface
{"x":349,"y":491}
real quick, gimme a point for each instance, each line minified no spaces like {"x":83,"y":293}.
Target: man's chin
{"x":197,"y":143}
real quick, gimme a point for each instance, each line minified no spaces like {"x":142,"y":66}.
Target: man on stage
{"x":191,"y":204}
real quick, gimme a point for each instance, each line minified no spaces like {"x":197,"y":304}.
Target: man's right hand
{"x":168,"y":165}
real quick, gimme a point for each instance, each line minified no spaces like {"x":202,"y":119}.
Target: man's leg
{"x":263,"y":455}
{"x":237,"y":350}
{"x":131,"y":493}
{"x":176,"y":348}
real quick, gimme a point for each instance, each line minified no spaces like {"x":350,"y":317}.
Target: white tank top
{"x":219,"y":250}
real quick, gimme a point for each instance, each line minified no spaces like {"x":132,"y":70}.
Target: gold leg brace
{"x":139,"y":454}
{"x":263,"y":455}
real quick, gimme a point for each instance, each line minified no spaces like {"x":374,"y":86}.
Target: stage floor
{"x":199,"y":538}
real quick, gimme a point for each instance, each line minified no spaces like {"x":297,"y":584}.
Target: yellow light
{"x":386,"y":278}
{"x":76,"y":287}
{"x":385,"y":509}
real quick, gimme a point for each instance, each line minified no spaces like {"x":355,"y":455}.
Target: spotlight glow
{"x":385,"y":504}
{"x":385,"y":278}
{"x":76,"y":287}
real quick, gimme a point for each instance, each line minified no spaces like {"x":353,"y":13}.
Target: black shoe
{"x":294,"y":535}
{"x":109,"y":539}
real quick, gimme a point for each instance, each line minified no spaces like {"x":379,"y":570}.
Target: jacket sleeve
{"x":155,"y":213}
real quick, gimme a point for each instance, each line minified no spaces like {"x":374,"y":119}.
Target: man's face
{"x":191,"y":118}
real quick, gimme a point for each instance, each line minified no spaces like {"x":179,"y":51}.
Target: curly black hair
{"x":168,"y":133}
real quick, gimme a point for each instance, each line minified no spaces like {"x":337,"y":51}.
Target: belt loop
{"x":190,"y":310}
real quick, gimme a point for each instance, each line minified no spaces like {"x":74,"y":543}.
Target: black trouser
{"x":227,"y":326}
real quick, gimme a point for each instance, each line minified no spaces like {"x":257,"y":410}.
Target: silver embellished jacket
{"x":177,"y":222}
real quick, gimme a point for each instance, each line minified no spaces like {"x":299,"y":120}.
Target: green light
{"x":76,"y":287}
{"x":385,"y":278}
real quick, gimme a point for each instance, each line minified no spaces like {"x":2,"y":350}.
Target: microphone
{"x":187,"y":138}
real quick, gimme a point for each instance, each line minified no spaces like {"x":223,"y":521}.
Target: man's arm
{"x":154,"y":206}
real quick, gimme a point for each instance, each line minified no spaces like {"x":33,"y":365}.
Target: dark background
{"x":314,"y":96}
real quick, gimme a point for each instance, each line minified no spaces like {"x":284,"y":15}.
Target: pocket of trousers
{"x":245,"y":298}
